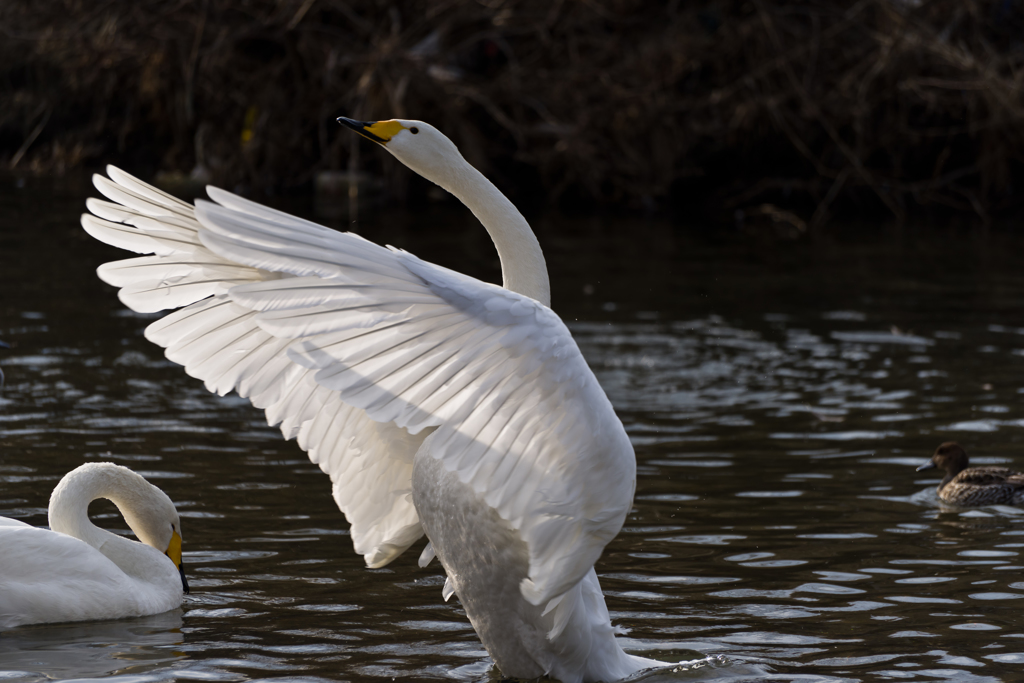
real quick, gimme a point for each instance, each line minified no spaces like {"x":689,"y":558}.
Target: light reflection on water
{"x":778,"y":404}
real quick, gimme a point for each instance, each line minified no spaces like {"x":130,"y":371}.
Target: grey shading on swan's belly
{"x":486,"y":560}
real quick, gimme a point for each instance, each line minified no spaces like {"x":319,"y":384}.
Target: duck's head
{"x":156,"y":523}
{"x":950,"y":456}
{"x":418,"y":145}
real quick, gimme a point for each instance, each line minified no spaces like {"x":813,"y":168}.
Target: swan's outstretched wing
{"x":519,"y":415}
{"x":219,"y":342}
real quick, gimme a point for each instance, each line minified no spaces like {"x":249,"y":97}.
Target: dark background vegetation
{"x":721,"y":111}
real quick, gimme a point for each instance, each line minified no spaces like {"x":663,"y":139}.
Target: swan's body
{"x":398,"y":375}
{"x":967,"y":486}
{"x":77,"y":571}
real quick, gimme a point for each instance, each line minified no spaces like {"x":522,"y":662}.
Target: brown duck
{"x":973,"y":486}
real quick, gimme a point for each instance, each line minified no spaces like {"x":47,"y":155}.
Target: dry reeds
{"x":782,"y":109}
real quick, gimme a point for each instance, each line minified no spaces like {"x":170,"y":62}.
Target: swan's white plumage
{"x":48,"y":576}
{"x":375,"y":360}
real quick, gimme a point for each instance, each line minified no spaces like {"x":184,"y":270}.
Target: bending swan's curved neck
{"x":523,"y":269}
{"x":69,"y":502}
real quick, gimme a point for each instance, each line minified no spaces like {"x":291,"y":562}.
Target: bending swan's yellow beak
{"x":378,"y":131}
{"x":174,"y":552}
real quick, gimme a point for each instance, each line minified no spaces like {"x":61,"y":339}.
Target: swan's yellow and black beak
{"x":378,"y":131}
{"x":174,"y":552}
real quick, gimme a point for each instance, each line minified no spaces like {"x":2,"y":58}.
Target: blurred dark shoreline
{"x":757,"y":116}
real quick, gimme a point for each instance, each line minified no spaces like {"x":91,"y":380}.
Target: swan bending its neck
{"x":139,"y":502}
{"x":76,"y":571}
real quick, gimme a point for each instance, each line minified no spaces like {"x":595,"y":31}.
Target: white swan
{"x":437,"y":403}
{"x":77,"y":571}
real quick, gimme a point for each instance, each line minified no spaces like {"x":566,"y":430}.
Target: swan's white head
{"x":152,"y":517}
{"x":418,"y":145}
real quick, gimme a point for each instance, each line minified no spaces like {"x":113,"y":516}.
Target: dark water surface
{"x":778,"y":396}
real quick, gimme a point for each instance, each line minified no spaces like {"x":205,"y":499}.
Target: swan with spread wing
{"x":437,"y":403}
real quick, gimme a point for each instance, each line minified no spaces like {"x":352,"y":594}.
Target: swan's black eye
{"x":414,"y":130}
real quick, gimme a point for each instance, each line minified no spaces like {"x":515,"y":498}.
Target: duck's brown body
{"x":984,"y":486}
{"x":974,"y":486}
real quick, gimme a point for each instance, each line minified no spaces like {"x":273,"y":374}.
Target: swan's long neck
{"x":69,"y":503}
{"x":523,"y":269}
